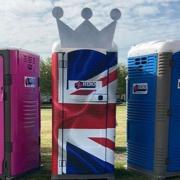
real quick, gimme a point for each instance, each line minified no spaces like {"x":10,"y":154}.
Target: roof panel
{"x":153,"y":47}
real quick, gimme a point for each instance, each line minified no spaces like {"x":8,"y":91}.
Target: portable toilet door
{"x":84,"y":88}
{"x":153,"y":108}
{"x":173,"y":159}
{"x":1,"y":115}
{"x":20,"y":112}
{"x":84,"y":79}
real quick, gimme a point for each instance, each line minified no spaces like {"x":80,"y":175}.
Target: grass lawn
{"x":120,"y":153}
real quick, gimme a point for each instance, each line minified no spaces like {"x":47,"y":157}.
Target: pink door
{"x":25,"y":129}
{"x":1,"y":117}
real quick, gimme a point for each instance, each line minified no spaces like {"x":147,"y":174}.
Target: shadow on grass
{"x":46,"y":150}
{"x":123,"y":174}
{"x":119,"y":150}
{"x":44,"y":173}
{"x":46,"y":106}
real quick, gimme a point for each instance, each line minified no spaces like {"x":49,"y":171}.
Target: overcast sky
{"x":29,"y":24}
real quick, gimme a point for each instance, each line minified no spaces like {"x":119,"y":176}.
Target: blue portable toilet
{"x":154,"y":108}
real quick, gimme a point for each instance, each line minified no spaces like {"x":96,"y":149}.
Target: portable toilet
{"x":19,"y":112}
{"x":84,"y":79}
{"x":154,"y":108}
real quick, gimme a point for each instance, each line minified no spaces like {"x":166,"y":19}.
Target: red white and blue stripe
{"x":84,"y":113}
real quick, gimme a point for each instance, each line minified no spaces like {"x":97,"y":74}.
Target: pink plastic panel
{"x":25,"y":110}
{"x":1,"y":116}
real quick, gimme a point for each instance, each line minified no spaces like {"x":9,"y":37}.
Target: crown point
{"x":115,"y":14}
{"x":86,"y":13}
{"x":57,"y":12}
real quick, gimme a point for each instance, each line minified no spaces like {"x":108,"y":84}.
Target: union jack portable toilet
{"x":19,"y":112}
{"x":153,"y":108}
{"x":84,"y":82}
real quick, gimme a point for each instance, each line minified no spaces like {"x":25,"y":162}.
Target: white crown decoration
{"x":86,"y":35}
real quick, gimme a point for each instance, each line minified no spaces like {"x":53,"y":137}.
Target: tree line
{"x":45,"y":77}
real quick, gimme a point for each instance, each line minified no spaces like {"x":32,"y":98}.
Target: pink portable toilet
{"x":19,"y":112}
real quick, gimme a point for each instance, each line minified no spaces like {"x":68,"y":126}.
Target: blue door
{"x":141,"y":111}
{"x":174,"y":122}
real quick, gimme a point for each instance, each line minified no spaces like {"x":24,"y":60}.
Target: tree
{"x":45,"y":76}
{"x":122,"y":74}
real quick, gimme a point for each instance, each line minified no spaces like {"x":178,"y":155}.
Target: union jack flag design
{"x":84,"y":96}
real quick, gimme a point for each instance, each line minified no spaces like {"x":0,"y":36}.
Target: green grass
{"x":120,"y":152}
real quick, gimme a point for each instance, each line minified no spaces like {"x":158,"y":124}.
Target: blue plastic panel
{"x":81,"y":162}
{"x":174,"y":124}
{"x":141,"y":111}
{"x":85,"y":64}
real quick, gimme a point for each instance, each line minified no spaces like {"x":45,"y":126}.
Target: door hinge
{"x":8,"y":146}
{"x":5,"y":96}
{"x":62,"y":64}
{"x":5,"y":164}
{"x":6,"y":168}
{"x":7,"y":79}
{"x":62,"y":60}
{"x":39,"y":140}
{"x":62,"y":163}
{"x":38,"y":81}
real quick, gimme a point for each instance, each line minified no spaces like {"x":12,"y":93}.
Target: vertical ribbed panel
{"x":141,"y":112}
{"x":161,"y":152}
{"x":162,"y":113}
{"x":164,"y":63}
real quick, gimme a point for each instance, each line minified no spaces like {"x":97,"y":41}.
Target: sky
{"x":28,"y":24}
